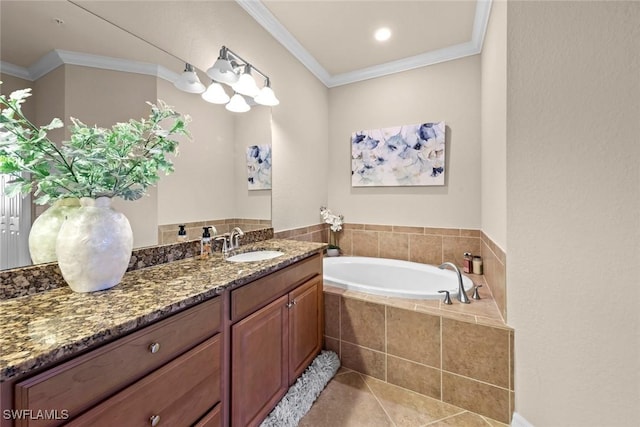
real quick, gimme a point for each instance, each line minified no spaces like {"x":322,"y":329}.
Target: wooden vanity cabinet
{"x":170,"y":363}
{"x":273,"y":345}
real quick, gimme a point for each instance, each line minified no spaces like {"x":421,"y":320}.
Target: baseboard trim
{"x":518,"y":421}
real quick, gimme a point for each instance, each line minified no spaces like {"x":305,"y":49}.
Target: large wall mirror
{"x":80,"y":65}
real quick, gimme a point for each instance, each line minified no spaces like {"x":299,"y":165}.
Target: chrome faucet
{"x":225,"y":243}
{"x":234,"y":237}
{"x":462,"y":294}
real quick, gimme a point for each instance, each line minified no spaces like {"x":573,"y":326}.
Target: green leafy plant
{"x":96,"y":162}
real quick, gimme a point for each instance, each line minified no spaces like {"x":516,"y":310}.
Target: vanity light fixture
{"x":246,"y":84}
{"x":215,"y":94}
{"x":189,"y":81}
{"x":231,"y":69}
{"x":267,"y":96}
{"x":238,"y":104}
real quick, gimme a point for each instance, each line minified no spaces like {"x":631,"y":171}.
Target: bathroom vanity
{"x":194,"y":343}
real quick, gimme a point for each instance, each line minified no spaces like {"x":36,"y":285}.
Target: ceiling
{"x":333,"y":39}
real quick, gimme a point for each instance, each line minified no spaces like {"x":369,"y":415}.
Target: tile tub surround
{"x":45,"y":328}
{"x":427,"y":245}
{"x":30,"y":280}
{"x":495,"y":272}
{"x":459,"y":354}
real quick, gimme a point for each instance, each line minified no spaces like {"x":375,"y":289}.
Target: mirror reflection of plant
{"x":96,"y":162}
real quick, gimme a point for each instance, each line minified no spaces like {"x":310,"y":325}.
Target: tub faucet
{"x":235,"y":235}
{"x":462,"y":294}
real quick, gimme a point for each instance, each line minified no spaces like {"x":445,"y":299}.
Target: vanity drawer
{"x":212,"y":419}
{"x":84,"y":381}
{"x":248,"y":298}
{"x":178,"y":394}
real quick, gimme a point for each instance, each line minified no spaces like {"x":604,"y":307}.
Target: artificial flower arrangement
{"x":96,"y":162}
{"x":335,"y":222}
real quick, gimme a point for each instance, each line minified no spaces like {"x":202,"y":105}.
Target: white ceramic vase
{"x":44,"y":231}
{"x":94,"y":246}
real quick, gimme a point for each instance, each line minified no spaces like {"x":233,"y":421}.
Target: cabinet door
{"x":305,"y":326}
{"x":259,"y":370}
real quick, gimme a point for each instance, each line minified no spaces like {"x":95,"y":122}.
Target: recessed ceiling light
{"x":382,"y":34}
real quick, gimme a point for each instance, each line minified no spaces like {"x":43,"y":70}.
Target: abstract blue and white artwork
{"x":398,"y":156}
{"x":259,"y":167}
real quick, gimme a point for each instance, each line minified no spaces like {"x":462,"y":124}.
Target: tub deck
{"x":484,"y":311}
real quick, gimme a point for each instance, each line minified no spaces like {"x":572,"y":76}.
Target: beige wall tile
{"x":413,"y":335}
{"x":345,"y":241}
{"x":442,"y":231}
{"x":394,"y":246}
{"x":453,"y":248}
{"x":362,"y":323}
{"x":477,"y":397}
{"x":469,"y":233}
{"x":332,"y":344}
{"x":511,"y":360}
{"x":377,"y":227}
{"x":476,"y":351}
{"x":413,"y":376}
{"x":410,"y":230}
{"x":365,"y":243}
{"x":426,"y":249}
{"x":360,"y":359}
{"x":332,"y":315}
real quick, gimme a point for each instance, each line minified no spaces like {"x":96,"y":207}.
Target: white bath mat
{"x":298,"y":400}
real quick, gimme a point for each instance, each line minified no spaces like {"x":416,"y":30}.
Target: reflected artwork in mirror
{"x":58,"y":49}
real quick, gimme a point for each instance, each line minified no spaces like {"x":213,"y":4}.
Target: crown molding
{"x":264,"y":17}
{"x":14,"y":70}
{"x":57,"y":57}
{"x":258,"y":11}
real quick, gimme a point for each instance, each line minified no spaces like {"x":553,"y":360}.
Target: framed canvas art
{"x":406,"y":155}
{"x":259,"y":167}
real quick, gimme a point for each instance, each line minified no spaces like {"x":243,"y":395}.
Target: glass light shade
{"x":267,"y":97}
{"x":222,"y":71}
{"x":237,"y":104}
{"x":246,"y":85}
{"x":189,"y":82}
{"x":215,"y":94}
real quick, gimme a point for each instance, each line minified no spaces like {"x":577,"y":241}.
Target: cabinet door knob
{"x":154,"y":348}
{"x":154,"y":420}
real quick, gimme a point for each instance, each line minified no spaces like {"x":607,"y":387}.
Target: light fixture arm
{"x":225,"y":52}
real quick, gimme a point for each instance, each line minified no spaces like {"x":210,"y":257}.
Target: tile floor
{"x":355,"y":400}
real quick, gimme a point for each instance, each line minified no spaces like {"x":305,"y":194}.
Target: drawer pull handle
{"x":154,"y":348}
{"x":154,"y":420}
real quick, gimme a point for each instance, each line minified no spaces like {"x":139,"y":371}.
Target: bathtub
{"x":389,"y":277}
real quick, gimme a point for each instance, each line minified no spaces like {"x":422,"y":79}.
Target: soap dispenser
{"x":205,"y":243}
{"x":182,"y":233}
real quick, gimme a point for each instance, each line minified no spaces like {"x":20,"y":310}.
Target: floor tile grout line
{"x":378,"y":400}
{"x":462,"y":411}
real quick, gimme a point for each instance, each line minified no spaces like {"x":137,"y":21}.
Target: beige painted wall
{"x":103,"y":98}
{"x":573,"y":223}
{"x":493,"y":111}
{"x":201,"y":187}
{"x":448,"y":91}
{"x":300,"y":122}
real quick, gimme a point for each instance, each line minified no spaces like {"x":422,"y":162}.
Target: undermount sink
{"x":255,"y":256}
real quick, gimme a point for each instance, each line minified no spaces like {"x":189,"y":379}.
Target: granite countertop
{"x":42,"y":329}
